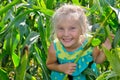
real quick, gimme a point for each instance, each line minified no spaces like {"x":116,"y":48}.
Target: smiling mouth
{"x":66,"y":40}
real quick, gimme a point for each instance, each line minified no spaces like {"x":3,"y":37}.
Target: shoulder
{"x":51,"y":57}
{"x":51,"y":48}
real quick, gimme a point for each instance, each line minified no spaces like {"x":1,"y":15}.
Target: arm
{"x":98,"y":54}
{"x":52,"y":63}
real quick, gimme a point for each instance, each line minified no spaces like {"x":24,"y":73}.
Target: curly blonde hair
{"x":73,"y":11}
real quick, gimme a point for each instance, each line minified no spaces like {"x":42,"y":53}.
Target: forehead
{"x":68,"y":20}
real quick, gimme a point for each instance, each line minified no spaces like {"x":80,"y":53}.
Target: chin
{"x":67,"y":45}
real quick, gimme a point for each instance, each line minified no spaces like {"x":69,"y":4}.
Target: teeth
{"x":67,"y":40}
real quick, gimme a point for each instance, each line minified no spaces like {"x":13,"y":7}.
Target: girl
{"x":70,"y":28}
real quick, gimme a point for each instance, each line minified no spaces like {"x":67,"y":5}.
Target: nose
{"x":66,"y":32}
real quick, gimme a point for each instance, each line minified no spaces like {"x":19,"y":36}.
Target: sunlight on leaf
{"x":96,"y":42}
{"x":15,"y":59}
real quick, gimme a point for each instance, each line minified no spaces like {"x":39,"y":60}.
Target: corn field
{"x":25,"y":29}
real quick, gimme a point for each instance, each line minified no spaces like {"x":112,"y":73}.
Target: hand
{"x":67,"y":68}
{"x":107,"y":44}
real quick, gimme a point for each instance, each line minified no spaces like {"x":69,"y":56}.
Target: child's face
{"x":68,"y":32}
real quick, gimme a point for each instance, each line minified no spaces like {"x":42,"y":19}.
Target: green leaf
{"x":6,"y":8}
{"x":98,"y":5}
{"x":49,"y":4}
{"x":41,"y":29}
{"x":15,"y":21}
{"x":21,"y":69}
{"x":15,"y":39}
{"x":3,"y":75}
{"x":103,"y":75}
{"x":38,"y":55}
{"x":15,"y":59}
{"x":90,"y":74}
{"x":113,"y":58}
{"x":96,"y":42}
{"x":111,"y":2}
{"x":117,"y":11}
{"x":112,"y":76}
{"x":31,"y":39}
{"x":116,"y":38}
{"x":7,"y":44}
{"x":42,"y":3}
{"x":47,"y":12}
{"x":76,"y":2}
{"x":30,"y":77}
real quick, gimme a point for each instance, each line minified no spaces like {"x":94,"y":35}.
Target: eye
{"x":72,"y":28}
{"x":60,"y":28}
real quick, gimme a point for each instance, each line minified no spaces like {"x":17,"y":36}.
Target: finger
{"x":70,"y":73}
{"x":73,"y":64}
{"x":72,"y":70}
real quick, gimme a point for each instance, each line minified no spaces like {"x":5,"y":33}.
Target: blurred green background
{"x":25,"y":30}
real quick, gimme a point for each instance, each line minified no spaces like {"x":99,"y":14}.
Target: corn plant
{"x":24,"y":23}
{"x":25,"y":31}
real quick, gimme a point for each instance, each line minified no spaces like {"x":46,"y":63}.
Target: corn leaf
{"x":3,"y":75}
{"x":76,"y":2}
{"x":15,"y":59}
{"x":113,"y":58}
{"x":49,"y":4}
{"x":6,"y":8}
{"x":41,"y":62}
{"x":21,"y":69}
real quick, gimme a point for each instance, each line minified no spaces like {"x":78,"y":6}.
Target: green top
{"x":63,"y":56}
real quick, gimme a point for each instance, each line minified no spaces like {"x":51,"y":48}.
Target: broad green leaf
{"x":3,"y":75}
{"x":6,"y":8}
{"x":49,"y":4}
{"x":98,"y":5}
{"x":41,"y":29}
{"x":117,"y":11}
{"x":21,"y":69}
{"x":90,"y":3}
{"x":96,"y":42}
{"x":116,"y":38}
{"x":15,"y":39}
{"x":42,"y":3}
{"x":112,"y":76}
{"x":15,"y":59}
{"x":7,"y":44}
{"x":104,"y":3}
{"x":92,"y":10}
{"x":113,"y":58}
{"x":47,"y":12}
{"x":101,"y":34}
{"x":30,"y":77}
{"x":32,"y":38}
{"x":17,"y":18}
{"x":2,"y":56}
{"x":41,"y":62}
{"x":111,"y":2}
{"x":103,"y":75}
{"x":108,"y":33}
{"x":76,"y":2}
{"x":90,"y":74}
{"x":48,"y":30}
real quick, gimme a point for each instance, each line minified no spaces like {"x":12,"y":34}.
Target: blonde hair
{"x":70,"y":10}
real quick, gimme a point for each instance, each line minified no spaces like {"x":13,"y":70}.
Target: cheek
{"x":58,"y":34}
{"x":76,"y":34}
